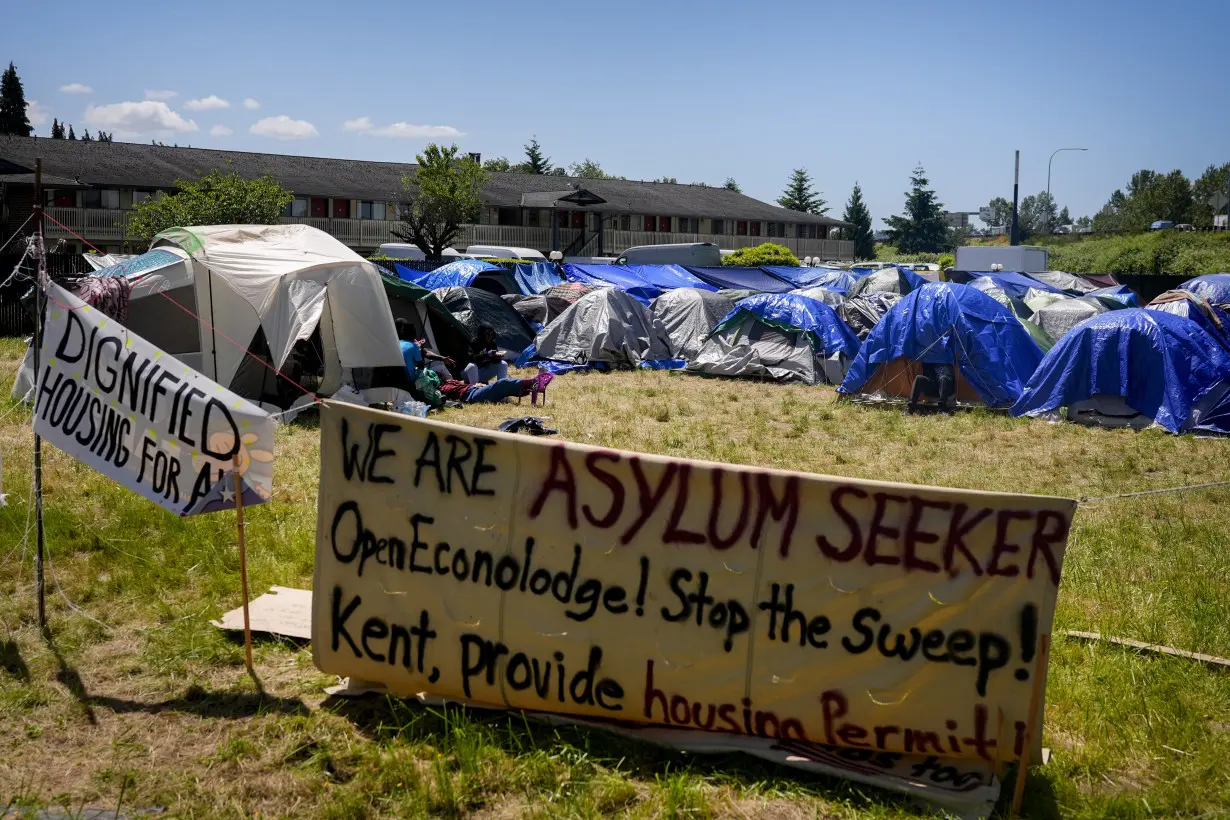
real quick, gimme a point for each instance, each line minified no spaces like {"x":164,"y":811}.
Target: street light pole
{"x":1047,"y":229}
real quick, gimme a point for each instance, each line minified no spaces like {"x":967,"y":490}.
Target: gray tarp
{"x":608,"y":326}
{"x":687,"y":315}
{"x":821,"y":294}
{"x":1064,"y":281}
{"x":862,"y":313}
{"x":1059,"y":317}
{"x":752,"y":349}
{"x":537,"y":310}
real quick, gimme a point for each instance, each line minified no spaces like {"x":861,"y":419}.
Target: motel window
{"x":299,"y":206}
{"x":623,"y":222}
{"x":772,"y":229}
{"x":807,"y":231}
{"x":141,"y":196}
{"x":755,"y":228}
{"x":717,"y":226}
{"x":532,"y":217}
{"x":371,"y":210}
{"x":741,"y":227}
{"x":101,"y":198}
{"x":562,"y":218}
{"x":508,"y":216}
{"x":689,"y":224}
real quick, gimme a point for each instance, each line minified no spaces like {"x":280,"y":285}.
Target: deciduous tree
{"x":588,"y":169}
{"x":731,"y":185}
{"x":214,"y":199}
{"x":441,"y":196}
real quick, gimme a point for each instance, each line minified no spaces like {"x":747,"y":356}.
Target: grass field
{"x":137,"y":701}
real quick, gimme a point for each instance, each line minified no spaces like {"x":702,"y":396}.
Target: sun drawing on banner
{"x":222,"y":442}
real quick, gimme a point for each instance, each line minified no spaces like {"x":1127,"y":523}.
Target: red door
{"x":341,"y":209}
{"x":320,"y":207}
{"x":578,"y":220}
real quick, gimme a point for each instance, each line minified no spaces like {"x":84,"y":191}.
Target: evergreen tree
{"x":535,"y":162}
{"x":799,"y":195}
{"x":857,"y":213}
{"x":57,"y":129}
{"x":73,"y":136}
{"x":731,"y":185}
{"x":922,"y":229}
{"x":104,"y":136}
{"x":13,"y":118}
{"x":1065,"y":218}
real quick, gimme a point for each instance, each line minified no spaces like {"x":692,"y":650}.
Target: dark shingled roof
{"x":139,"y":165}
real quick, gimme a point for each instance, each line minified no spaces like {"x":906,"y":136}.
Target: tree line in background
{"x":57,"y":133}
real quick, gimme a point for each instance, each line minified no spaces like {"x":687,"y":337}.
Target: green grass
{"x":156,"y":704}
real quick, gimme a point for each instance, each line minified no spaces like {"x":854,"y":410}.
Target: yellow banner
{"x":556,"y":577}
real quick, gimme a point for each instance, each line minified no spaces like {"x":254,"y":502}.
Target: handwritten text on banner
{"x":111,"y":399}
{"x":897,"y":619}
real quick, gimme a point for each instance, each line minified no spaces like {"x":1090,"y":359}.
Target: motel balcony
{"x":103,"y":226}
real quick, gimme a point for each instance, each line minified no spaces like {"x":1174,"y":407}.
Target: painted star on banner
{"x":228,"y":495}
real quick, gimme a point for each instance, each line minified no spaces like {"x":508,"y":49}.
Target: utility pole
{"x":1015,"y":237}
{"x":39,"y":579}
{"x":1049,"y":203}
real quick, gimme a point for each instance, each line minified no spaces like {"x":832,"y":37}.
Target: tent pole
{"x":213,"y":323}
{"x":243,"y":565}
{"x":40,"y":580}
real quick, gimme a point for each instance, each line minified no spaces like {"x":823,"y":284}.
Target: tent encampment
{"x":687,"y":315}
{"x":431,"y":320}
{"x":784,"y":337}
{"x":802,"y":277}
{"x":1020,"y":309}
{"x":1195,"y":307}
{"x":606,"y":326}
{"x":733,"y":278}
{"x":267,"y":288}
{"x":462,"y":273}
{"x":946,"y":323}
{"x":863,"y":313}
{"x":474,"y":308}
{"x":1069,"y":283}
{"x":1214,"y":286}
{"x":1132,"y":368}
{"x":621,"y":277}
{"x":822,"y":293}
{"x":535,"y":277}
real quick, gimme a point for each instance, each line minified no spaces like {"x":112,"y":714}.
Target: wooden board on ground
{"x":280,"y":611}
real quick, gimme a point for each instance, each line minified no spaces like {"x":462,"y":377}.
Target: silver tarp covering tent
{"x":752,"y":349}
{"x":1060,"y":316}
{"x":608,"y":326}
{"x":687,"y":315}
{"x":861,"y":313}
{"x":822,"y":294}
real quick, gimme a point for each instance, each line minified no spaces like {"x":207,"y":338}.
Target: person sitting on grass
{"x":937,"y":381}
{"x":486,"y":361}
{"x":416,"y":354}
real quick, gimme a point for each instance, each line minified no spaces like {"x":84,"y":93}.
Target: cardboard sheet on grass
{"x":898,"y":623}
{"x":137,"y":414}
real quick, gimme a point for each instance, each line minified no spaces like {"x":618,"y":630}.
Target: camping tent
{"x":431,"y":320}
{"x":863,"y":313}
{"x":474,"y":307}
{"x":785,"y":337}
{"x":1134,"y":368}
{"x":1214,"y":286}
{"x":821,"y":293}
{"x":1014,"y":284}
{"x":1191,"y":306}
{"x":535,"y":277}
{"x":733,"y":278}
{"x":687,"y":315}
{"x":622,"y":277}
{"x":1024,"y":314}
{"x":887,"y":280}
{"x":568,"y":291}
{"x":1061,"y":315}
{"x":259,"y":290}
{"x":607,"y":325}
{"x":537,"y":310}
{"x":807,"y":277}
{"x":946,"y":323}
{"x":1069,"y":283}
{"x":462,"y":273}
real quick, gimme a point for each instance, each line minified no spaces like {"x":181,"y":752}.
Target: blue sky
{"x":695,"y":90}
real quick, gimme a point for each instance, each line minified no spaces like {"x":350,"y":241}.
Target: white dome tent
{"x":260,"y":289}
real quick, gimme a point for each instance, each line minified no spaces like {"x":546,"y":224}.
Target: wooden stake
{"x":243,"y":566}
{"x":1035,"y":702}
{"x":40,"y":584}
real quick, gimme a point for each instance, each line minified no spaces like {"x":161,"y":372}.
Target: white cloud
{"x":134,"y":118}
{"x":251,"y":104}
{"x":406,"y":130}
{"x":220,"y":131}
{"x":207,"y":103}
{"x":38,"y":114}
{"x":76,"y":88}
{"x":283,"y":127}
{"x":159,"y":94}
{"x":361,"y":124}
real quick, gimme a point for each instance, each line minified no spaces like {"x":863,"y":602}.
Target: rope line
{"x":1210,"y":485}
{"x":16,"y":233}
{"x":245,"y":350}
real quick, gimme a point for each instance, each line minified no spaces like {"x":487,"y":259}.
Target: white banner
{"x":114,"y":401}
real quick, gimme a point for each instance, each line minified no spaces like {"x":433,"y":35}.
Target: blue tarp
{"x":535,"y":277}
{"x":742,"y":279}
{"x":1159,"y":363}
{"x":807,"y":277}
{"x":618,"y":276}
{"x":947,"y":323}
{"x":1121,"y":294}
{"x":1219,"y":329}
{"x":1015,"y":284}
{"x":1214,"y":286}
{"x":792,"y":312}
{"x":148,"y":261}
{"x":458,"y":274}
{"x":668,"y":277}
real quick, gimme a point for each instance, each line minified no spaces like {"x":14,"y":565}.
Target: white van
{"x":401,"y":250}
{"x":701,"y":254}
{"x":501,"y":252}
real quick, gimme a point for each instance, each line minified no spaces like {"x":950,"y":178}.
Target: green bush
{"x":946,"y":260}
{"x":1154,"y":252}
{"x":889,"y":253}
{"x":767,"y":254}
